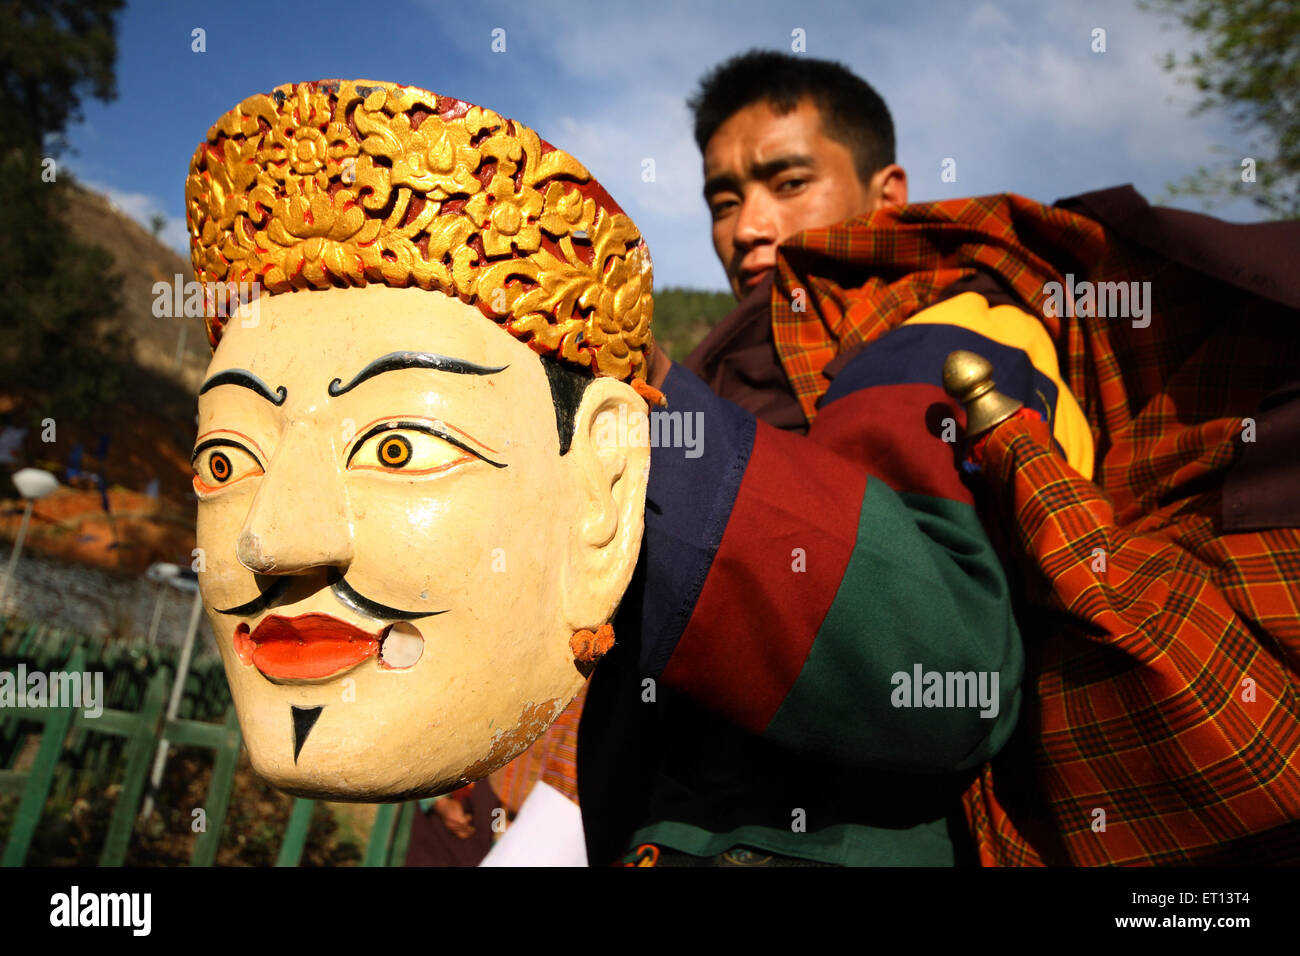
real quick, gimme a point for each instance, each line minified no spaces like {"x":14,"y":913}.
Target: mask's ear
{"x":609,"y":463}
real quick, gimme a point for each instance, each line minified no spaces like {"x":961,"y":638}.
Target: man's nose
{"x":757,"y":222}
{"x":300,"y":517}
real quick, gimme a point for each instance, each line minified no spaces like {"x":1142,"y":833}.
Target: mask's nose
{"x":300,"y":517}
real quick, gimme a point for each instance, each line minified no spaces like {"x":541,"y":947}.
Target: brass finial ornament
{"x":968,"y":377}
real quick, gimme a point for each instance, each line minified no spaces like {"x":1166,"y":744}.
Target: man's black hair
{"x":567,"y":387}
{"x":852,"y":113}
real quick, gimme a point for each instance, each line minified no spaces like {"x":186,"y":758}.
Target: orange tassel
{"x":589,"y":647}
{"x":651,"y":394}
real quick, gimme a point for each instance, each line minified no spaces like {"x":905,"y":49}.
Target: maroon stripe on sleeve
{"x":775,"y":575}
{"x":897,"y":433}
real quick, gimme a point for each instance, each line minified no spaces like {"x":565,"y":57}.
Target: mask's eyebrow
{"x":245,"y":379}
{"x":397,"y":360}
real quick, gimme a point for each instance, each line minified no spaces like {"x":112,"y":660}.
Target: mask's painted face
{"x":396,"y":553}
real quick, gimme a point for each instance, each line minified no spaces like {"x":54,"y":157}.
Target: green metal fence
{"x":77,"y":754}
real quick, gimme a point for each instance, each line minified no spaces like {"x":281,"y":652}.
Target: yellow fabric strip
{"x":1012,"y":327}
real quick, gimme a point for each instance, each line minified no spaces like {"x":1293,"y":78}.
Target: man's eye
{"x":223,"y":465}
{"x":406,"y":451}
{"x":721,"y":207}
{"x":791,"y":185}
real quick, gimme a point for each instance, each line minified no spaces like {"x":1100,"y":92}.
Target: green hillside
{"x":684,"y":316}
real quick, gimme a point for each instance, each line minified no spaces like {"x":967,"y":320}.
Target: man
{"x":795,"y":589}
{"x":773,"y":166}
{"x":1167,"y":653}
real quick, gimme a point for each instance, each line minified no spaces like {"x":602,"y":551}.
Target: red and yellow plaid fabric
{"x":848,"y":284}
{"x":1164,"y":653}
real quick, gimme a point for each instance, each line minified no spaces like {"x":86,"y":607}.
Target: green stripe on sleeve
{"x":924,"y":596}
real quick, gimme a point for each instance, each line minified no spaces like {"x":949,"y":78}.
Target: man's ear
{"x":889,"y":184}
{"x":609,"y":463}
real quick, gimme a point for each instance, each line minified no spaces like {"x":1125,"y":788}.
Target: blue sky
{"x":1009,"y":89}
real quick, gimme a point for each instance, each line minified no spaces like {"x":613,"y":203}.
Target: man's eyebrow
{"x":245,"y":379}
{"x":777,"y":164}
{"x":397,"y":360}
{"x":764,"y":170}
{"x":718,"y":182}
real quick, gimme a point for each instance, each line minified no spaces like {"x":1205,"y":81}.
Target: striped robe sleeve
{"x":836,"y":593}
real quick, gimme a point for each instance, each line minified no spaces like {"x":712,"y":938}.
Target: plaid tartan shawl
{"x":1164,"y":650}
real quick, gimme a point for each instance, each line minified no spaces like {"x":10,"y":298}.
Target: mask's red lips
{"x":304,"y":647}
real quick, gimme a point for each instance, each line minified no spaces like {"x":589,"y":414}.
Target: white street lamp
{"x":182,"y":579}
{"x":33,"y":484}
{"x":164,"y":573}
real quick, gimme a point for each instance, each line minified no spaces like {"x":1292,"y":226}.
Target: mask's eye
{"x":407,"y":449}
{"x":221,"y":463}
{"x":395,"y":451}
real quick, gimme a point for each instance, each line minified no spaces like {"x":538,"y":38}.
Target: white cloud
{"x":1009,"y":88}
{"x":1012,"y":90}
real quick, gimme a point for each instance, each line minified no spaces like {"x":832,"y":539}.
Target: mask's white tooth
{"x":401,"y":645}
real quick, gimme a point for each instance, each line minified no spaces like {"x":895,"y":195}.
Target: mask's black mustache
{"x":363,"y":605}
{"x":261,"y":602}
{"x":346,"y":594}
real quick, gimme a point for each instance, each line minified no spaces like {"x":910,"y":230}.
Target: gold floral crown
{"x":337,"y":183}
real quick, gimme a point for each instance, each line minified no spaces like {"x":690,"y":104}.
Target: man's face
{"x":768,"y":176}
{"x":385,"y":521}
